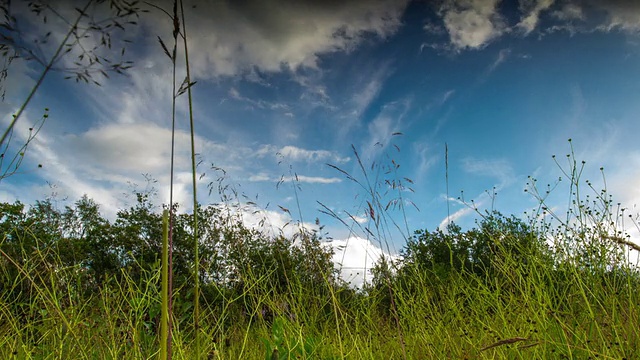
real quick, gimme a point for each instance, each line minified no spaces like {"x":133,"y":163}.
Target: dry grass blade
{"x":342,"y":171}
{"x":529,"y":345}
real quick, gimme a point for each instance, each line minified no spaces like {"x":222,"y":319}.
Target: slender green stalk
{"x":176,"y":31}
{"x":196,"y":317}
{"x":446,"y":177}
{"x":164,"y":325}
{"x":47,"y":68}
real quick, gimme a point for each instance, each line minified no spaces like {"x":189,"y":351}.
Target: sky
{"x":444,"y":99}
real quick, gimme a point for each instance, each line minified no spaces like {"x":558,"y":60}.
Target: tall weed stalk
{"x":196,"y":241}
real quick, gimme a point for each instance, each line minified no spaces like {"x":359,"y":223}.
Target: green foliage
{"x":99,"y":254}
{"x":489,"y":253}
{"x":281,"y":347}
{"x":482,"y":251}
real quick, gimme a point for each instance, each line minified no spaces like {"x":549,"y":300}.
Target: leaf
{"x":372,"y":213}
{"x":164,"y":47}
{"x":369,"y":231}
{"x":284,"y":209}
{"x":185,"y":86}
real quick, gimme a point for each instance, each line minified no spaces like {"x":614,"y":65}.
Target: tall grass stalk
{"x":196,"y":244}
{"x":164,"y":319}
{"x":376,"y":209}
{"x":172,"y":56}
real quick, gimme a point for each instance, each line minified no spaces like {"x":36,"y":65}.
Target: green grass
{"x":573,"y":315}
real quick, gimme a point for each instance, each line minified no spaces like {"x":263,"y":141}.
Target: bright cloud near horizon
{"x":285,"y":88}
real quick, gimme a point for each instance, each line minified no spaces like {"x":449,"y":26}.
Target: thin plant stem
{"x":165,"y":287}
{"x":446,"y":177}
{"x":196,"y":315}
{"x":173,"y":142}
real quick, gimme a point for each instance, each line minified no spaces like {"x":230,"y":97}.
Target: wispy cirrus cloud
{"x":531,"y":10}
{"x":383,"y":127}
{"x":261,"y":104}
{"x":297,"y":178}
{"x":500,"y":169}
{"x":569,"y":12}
{"x":296,"y":154}
{"x":500,"y":58}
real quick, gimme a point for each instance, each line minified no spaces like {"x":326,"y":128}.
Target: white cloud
{"x":364,"y":97}
{"x":366,"y":90}
{"x":260,"y":177}
{"x":569,"y":12}
{"x":232,"y":37}
{"x":360,"y":219}
{"x":141,"y":147}
{"x":71,"y":183}
{"x":317,"y":180}
{"x":472,"y":24}
{"x":270,"y":222}
{"x":532,"y":10}
{"x":456,"y":217}
{"x":295,"y":154}
{"x":502,"y":56}
{"x":381,"y":129}
{"x":426,"y":155}
{"x":433,"y":28}
{"x":355,"y":257}
{"x":285,"y":109}
{"x":621,"y":14}
{"x":297,"y":178}
{"x":612,"y":15}
{"x":447,"y":95}
{"x":497,"y":168}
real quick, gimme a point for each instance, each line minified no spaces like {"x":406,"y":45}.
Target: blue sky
{"x":287,"y":87}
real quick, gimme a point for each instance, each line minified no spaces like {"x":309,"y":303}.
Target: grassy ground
{"x":538,"y":311}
